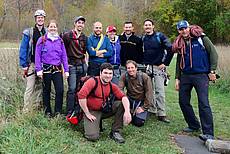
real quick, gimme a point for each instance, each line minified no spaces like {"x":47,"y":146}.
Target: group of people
{"x":113,"y":62}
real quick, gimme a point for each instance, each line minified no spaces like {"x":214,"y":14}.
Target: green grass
{"x":33,"y":133}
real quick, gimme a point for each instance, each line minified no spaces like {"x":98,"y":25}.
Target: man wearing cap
{"x":75,"y":44}
{"x":33,"y":92}
{"x":115,"y":58}
{"x":98,"y":48}
{"x":157,"y":55}
{"x":195,"y":67}
{"x":131,"y":45}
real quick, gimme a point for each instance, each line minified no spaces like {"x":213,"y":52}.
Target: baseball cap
{"x":182,"y":24}
{"x":111,"y":28}
{"x":79,"y":18}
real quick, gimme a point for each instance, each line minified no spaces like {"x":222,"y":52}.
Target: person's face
{"x":52,"y":29}
{"x":184,"y":32}
{"x":148,"y":27}
{"x":106,"y":75}
{"x":128,"y":28}
{"x":40,"y":20}
{"x":111,"y":35}
{"x":131,"y":69}
{"x":97,"y":28}
{"x":79,"y":25}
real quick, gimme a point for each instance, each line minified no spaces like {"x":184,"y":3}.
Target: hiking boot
{"x":205,"y":137}
{"x":116,"y":136}
{"x":163,"y":119}
{"x":190,"y":130}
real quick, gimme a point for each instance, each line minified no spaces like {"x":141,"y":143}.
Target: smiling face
{"x":111,"y":35}
{"x":148,"y":27}
{"x":40,"y":20}
{"x":131,"y":69}
{"x":52,"y":28}
{"x":97,"y":28}
{"x":79,"y":25}
{"x":128,"y":28}
{"x":185,"y":32}
{"x":106,"y":75}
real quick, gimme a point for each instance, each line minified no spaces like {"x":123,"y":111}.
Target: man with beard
{"x":33,"y":92}
{"x":156,"y":58}
{"x":92,"y":102}
{"x":98,"y":48}
{"x":131,"y":45}
{"x":75,"y":44}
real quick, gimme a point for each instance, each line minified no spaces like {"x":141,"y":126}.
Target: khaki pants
{"x":33,"y":92}
{"x":92,"y":129}
{"x":158,"y":105}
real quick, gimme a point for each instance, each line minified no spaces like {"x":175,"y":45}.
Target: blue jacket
{"x":115,"y":58}
{"x":154,"y":49}
{"x":92,"y":43}
{"x":26,"y":47}
{"x":200,"y":58}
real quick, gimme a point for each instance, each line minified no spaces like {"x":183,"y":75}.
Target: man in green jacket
{"x":196,"y":65}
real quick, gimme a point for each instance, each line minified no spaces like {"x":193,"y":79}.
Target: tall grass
{"x":223,"y":68}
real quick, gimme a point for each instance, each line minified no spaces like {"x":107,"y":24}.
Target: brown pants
{"x":92,"y":129}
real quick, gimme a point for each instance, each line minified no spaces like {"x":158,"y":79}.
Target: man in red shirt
{"x":91,"y":102}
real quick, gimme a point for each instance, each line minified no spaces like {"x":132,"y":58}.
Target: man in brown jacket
{"x":139,"y":91}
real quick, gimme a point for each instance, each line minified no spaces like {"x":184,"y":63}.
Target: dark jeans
{"x":200,"y":82}
{"x":75,"y":73}
{"x":57,"y":79}
{"x":94,"y":69}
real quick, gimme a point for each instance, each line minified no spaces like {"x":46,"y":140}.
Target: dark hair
{"x":132,"y":62}
{"x":149,"y":20}
{"x":128,"y":22}
{"x":106,"y":66}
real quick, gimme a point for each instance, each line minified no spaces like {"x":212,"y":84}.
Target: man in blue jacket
{"x":196,"y":64}
{"x":157,"y":55}
{"x":30,"y":37}
{"x":98,"y":48}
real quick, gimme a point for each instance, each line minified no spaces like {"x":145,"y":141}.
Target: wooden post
{"x":218,"y":146}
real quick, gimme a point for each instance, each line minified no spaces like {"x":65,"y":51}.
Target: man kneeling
{"x":139,"y":91}
{"x":93,"y":102}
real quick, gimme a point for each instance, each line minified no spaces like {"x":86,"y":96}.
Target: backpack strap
{"x":95,"y":86}
{"x":158,"y":37}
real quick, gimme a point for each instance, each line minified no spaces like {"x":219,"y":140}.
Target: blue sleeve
{"x":89,"y":47}
{"x":23,"y":51}
{"x":108,"y":48}
{"x":38,"y":55}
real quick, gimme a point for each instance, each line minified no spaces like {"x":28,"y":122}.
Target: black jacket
{"x":131,"y":49}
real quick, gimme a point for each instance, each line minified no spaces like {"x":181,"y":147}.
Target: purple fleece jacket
{"x":50,"y":52}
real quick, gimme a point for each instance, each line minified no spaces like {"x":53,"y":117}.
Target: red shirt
{"x":95,"y":99}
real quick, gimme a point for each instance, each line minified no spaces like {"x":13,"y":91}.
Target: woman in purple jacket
{"x":50,"y":55}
